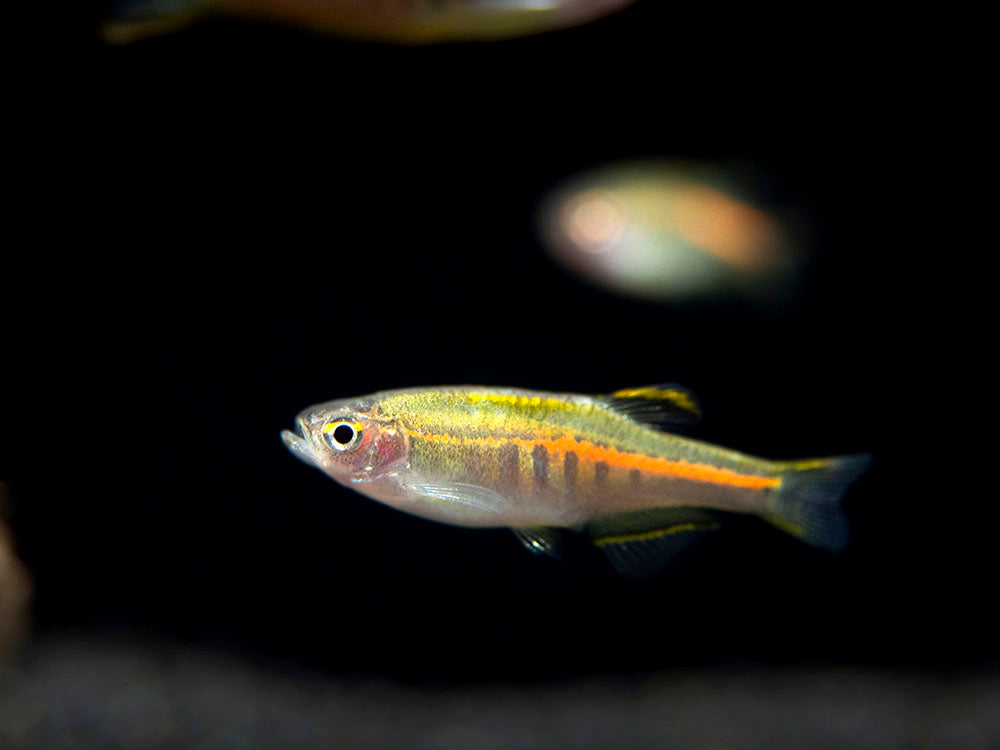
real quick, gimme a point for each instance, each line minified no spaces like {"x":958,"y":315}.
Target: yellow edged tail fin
{"x":808,"y":503}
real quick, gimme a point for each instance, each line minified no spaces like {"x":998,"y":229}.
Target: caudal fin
{"x":808,"y":501}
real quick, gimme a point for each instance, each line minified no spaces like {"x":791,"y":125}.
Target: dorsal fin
{"x":667,"y":405}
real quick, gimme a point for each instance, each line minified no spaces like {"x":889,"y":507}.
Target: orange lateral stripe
{"x":621,"y":459}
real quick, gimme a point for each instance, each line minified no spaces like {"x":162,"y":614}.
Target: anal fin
{"x":640,"y":544}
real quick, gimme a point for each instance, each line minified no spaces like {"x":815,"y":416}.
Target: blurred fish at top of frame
{"x":662,"y":231}
{"x":402,"y":21}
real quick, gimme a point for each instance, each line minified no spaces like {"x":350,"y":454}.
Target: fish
{"x":399,"y":21}
{"x":617,"y":467}
{"x":666,"y":231}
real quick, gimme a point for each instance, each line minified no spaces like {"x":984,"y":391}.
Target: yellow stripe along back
{"x":560,"y":425}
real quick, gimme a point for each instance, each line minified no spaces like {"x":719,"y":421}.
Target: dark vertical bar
{"x":571,"y":465}
{"x":508,"y":464}
{"x":601,"y":475}
{"x":540,"y":463}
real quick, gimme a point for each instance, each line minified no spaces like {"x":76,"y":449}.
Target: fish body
{"x":669,"y":230}
{"x":538,"y":462}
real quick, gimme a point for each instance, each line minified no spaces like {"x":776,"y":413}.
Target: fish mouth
{"x":299,"y":444}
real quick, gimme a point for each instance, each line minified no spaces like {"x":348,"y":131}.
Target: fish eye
{"x":342,"y":434}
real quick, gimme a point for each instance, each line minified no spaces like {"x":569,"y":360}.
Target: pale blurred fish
{"x":540,"y":463}
{"x":402,"y":21}
{"x":665,"y":230}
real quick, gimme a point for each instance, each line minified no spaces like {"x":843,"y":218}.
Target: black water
{"x":235,"y":222}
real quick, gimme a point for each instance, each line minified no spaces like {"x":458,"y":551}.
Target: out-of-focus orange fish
{"x":664,"y":230}
{"x":405,"y":21}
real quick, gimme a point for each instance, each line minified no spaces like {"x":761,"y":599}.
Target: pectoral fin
{"x":472,"y":495}
{"x":642,"y":543}
{"x":541,"y":540}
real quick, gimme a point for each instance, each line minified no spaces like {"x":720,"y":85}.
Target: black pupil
{"x":343,"y":434}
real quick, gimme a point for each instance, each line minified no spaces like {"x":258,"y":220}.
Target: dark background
{"x":237,"y":221}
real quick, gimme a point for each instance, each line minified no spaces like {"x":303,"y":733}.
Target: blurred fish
{"x":540,"y":463}
{"x":15,"y":589}
{"x":666,"y":230}
{"x":406,"y":21}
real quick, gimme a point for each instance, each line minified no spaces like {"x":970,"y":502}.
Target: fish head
{"x":350,"y":441}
